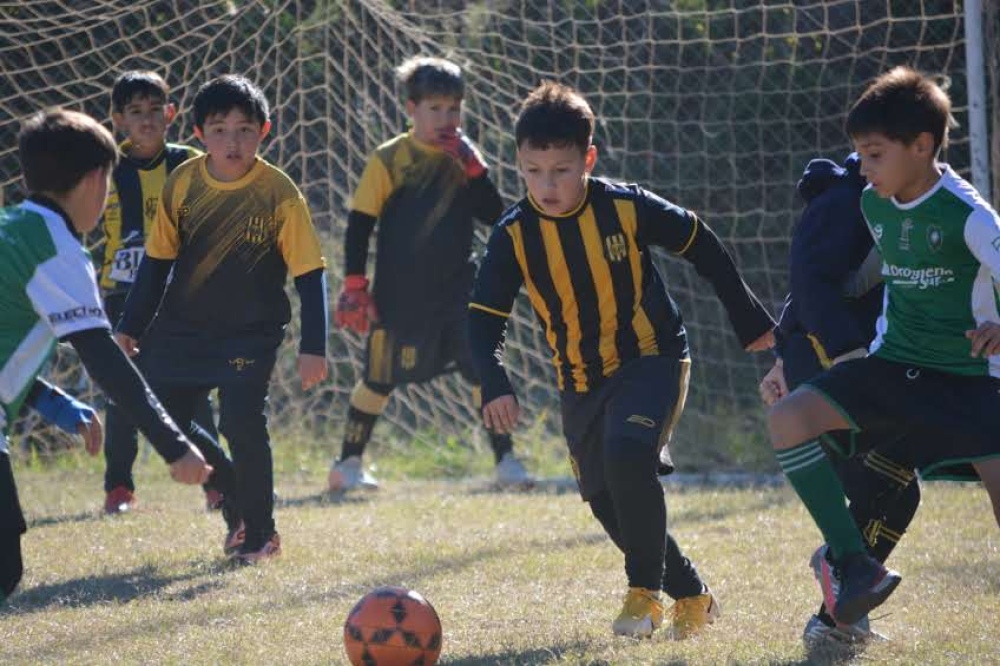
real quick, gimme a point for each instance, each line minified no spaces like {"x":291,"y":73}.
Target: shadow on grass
{"x":116,"y":588}
{"x":324,"y":498}
{"x":49,"y":521}
{"x":543,"y":655}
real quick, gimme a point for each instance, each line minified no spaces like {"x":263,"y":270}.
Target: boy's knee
{"x":244,"y":427}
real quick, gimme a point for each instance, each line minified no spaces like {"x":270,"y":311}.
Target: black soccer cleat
{"x":864,"y":584}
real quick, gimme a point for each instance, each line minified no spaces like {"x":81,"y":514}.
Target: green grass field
{"x":517,"y":578}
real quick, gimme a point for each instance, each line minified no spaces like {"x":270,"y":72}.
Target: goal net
{"x":714,"y":104}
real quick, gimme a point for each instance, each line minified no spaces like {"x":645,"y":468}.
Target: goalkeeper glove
{"x":355,"y":307}
{"x":463,"y":151}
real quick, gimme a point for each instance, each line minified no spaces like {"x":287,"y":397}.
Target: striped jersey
{"x":132,"y":202}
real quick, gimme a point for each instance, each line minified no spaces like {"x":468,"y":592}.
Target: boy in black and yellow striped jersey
{"x":581,"y":247}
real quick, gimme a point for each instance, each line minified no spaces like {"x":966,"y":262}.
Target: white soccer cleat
{"x":819,"y":635}
{"x":511,"y":472}
{"x":348,"y":474}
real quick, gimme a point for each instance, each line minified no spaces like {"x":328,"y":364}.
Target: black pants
{"x":615,"y":433}
{"x":12,"y":526}
{"x":121,"y":442}
{"x":248,"y":480}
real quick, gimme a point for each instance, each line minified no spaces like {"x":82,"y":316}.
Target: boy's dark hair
{"x":138,"y":84}
{"x":424,"y":77}
{"x":57,"y":148}
{"x":226,"y":93}
{"x":556,"y":116}
{"x":902,"y":104}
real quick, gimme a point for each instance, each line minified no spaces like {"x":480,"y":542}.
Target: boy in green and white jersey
{"x":934,"y":365}
{"x":48,"y":293}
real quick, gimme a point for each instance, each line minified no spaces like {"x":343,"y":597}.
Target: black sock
{"x":357,"y":432}
{"x":501,"y":444}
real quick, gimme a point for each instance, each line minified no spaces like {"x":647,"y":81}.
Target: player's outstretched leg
{"x":795,"y":423}
{"x":695,"y":607}
{"x":368,"y":401}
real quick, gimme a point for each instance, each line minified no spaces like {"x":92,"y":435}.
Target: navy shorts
{"x":947,"y":421}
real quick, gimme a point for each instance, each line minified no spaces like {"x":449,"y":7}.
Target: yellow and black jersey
{"x":424,"y":207}
{"x":592,"y":283}
{"x":132,"y":202}
{"x":233,"y":245}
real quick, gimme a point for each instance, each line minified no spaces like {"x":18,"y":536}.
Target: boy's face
{"x":556,"y":177}
{"x":144,"y":122}
{"x":435,"y":118}
{"x":893,"y":167}
{"x":231,"y":140}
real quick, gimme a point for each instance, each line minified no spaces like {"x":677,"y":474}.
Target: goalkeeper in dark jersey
{"x":420,"y":192}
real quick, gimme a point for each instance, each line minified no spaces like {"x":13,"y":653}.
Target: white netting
{"x":715,"y":104}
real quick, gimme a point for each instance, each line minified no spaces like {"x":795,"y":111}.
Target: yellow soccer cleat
{"x":641,"y":615}
{"x":690,"y":615}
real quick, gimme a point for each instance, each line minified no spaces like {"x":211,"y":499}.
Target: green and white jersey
{"x":940,"y":261}
{"x":48,"y":290}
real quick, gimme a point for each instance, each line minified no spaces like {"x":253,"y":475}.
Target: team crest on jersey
{"x":877,"y":231}
{"x":616,"y":247}
{"x":904,"y":235}
{"x":935,"y":237}
{"x":182,"y":214}
{"x":258,"y":229}
{"x":150,"y":207}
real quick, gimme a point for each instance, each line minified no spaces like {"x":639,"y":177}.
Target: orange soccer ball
{"x":392,"y":626}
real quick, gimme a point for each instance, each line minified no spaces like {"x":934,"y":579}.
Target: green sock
{"x":809,"y":471}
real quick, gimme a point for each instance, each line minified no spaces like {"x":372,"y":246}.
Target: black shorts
{"x":12,"y":526}
{"x":395,"y":357}
{"x":947,"y":421}
{"x":643,"y":400}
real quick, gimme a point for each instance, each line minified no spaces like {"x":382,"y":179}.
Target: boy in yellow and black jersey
{"x":231,"y":227}
{"x":140,"y":108}
{"x":581,"y":248}
{"x":423,"y":189}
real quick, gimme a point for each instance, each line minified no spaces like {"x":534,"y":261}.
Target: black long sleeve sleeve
{"x":145,"y":295}
{"x":359,"y":230}
{"x":115,"y":374}
{"x":748,"y":316}
{"x":314,"y":311}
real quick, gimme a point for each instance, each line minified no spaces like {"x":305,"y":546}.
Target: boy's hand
{"x":355,"y":306}
{"x":92,"y":433}
{"x":462,"y":150}
{"x":773,"y":387}
{"x":985,"y":339}
{"x":191,"y":469}
{"x":312,"y":370}
{"x":765,"y":341}
{"x":128,"y":344}
{"x":500,"y":414}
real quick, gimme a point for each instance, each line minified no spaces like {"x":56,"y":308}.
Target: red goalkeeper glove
{"x":355,"y":307}
{"x":463,"y":151}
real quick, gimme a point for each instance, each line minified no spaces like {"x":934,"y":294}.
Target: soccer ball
{"x":392,"y":626}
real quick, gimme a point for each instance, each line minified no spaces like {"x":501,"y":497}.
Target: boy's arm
{"x":359,"y":230}
{"x":497,"y":283}
{"x":822,"y":246}
{"x":300,"y":248}
{"x":682,"y":232}
{"x":488,"y":205}
{"x":119,"y":379}
{"x":364,"y":208}
{"x":66,"y":412}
